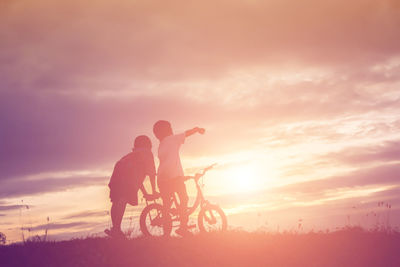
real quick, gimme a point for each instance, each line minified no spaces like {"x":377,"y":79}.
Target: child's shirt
{"x":130,"y":172}
{"x":168,"y":154}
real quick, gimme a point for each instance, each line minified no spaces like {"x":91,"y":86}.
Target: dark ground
{"x":351,"y":247}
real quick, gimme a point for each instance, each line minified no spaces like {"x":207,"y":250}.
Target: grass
{"x":347,"y":247}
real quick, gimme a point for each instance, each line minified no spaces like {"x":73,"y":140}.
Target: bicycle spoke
{"x":212,"y":218}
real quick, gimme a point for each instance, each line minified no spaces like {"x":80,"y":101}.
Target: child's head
{"x":162,"y":129}
{"x":142,"y":141}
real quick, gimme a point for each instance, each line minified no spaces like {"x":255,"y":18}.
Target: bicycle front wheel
{"x":153,"y":222}
{"x":212,"y":219}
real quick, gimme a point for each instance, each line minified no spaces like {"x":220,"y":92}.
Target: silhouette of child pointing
{"x":170,"y":177}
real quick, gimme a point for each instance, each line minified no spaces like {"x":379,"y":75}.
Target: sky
{"x":300,"y":101}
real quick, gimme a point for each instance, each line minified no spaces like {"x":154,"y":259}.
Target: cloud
{"x":373,"y":176}
{"x":85,"y":214}
{"x":103,"y":43}
{"x":390,"y":196}
{"x":388,"y":151}
{"x":42,"y":133}
{"x":11,"y":207}
{"x":80,"y":80}
{"x":20,"y":187}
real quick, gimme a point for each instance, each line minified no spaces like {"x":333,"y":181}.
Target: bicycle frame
{"x":200,"y":200}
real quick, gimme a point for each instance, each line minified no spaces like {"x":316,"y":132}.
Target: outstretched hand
{"x":201,"y":130}
{"x":195,"y":130}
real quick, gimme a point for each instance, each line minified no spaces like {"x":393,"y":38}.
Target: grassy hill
{"x":350,"y":247}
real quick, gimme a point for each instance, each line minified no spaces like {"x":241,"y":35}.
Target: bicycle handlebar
{"x":208,"y":168}
{"x":199,"y":175}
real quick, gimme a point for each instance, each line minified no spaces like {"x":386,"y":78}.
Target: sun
{"x":243,"y":178}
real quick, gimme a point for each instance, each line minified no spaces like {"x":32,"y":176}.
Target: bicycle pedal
{"x":191,"y":226}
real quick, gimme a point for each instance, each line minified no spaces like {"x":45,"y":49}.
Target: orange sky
{"x":300,"y":100}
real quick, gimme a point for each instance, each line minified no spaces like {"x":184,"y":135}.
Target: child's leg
{"x":166,"y":193}
{"x":117,"y":213}
{"x":183,"y":201}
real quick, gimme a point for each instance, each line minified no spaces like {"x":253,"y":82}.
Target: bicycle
{"x":155,"y":222}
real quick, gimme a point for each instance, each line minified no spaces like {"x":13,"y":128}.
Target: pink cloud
{"x":73,"y":42}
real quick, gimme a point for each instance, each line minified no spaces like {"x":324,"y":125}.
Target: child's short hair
{"x":162,"y":129}
{"x":142,"y":141}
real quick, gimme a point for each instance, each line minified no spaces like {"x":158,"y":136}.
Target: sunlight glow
{"x":244,"y":178}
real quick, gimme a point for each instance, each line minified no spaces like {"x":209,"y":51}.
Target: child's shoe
{"x":115,"y":233}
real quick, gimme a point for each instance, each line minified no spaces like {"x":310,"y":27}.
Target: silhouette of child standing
{"x":127,"y":178}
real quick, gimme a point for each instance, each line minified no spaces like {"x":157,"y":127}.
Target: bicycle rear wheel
{"x":153,"y":222}
{"x":212,"y":219}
